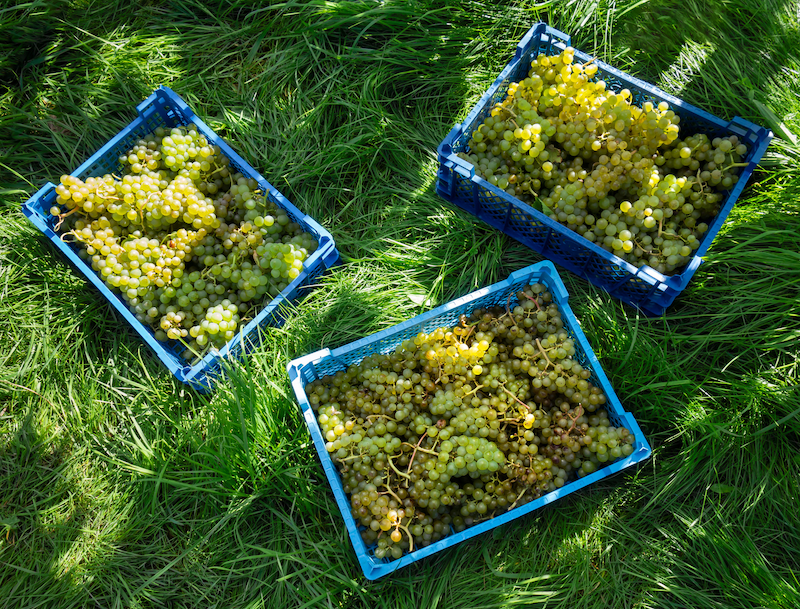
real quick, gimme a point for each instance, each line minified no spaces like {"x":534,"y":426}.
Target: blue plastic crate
{"x":643,"y":287}
{"x":164,"y":108}
{"x":326,"y":362}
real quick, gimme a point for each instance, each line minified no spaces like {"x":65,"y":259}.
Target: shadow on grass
{"x":717,"y":56}
{"x":43,"y":514}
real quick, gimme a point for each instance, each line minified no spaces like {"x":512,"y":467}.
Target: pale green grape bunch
{"x":616,"y":173}
{"x":218,"y":326}
{"x":462,"y":455}
{"x":189,"y":245}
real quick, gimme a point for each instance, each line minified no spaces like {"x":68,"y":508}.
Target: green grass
{"x":119,"y":487}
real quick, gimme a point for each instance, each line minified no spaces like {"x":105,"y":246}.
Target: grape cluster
{"x":462,"y":424}
{"x":616,"y":173}
{"x":188,"y":243}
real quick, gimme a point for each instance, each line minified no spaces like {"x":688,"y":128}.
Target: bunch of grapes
{"x":616,"y":173}
{"x":189,"y":244}
{"x":462,"y":424}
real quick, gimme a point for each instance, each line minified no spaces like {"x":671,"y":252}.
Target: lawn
{"x":121,"y":487}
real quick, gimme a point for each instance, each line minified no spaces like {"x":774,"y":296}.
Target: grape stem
{"x":462,"y":321}
{"x":61,"y":217}
{"x":414,"y":454}
{"x":578,"y":414}
{"x":410,"y":537}
{"x":528,"y":408}
{"x":700,"y":182}
{"x":397,"y":471}
{"x":422,"y":450}
{"x":73,"y":234}
{"x":533,"y":300}
{"x":734,"y":165}
{"x":441,"y":371}
{"x":502,"y":107}
{"x":543,"y":352}
{"x":104,"y":197}
{"x":647,"y":251}
{"x":391,"y":492}
{"x":351,"y":457}
{"x":475,"y":390}
{"x":530,"y":189}
{"x":511,"y":507}
{"x":217,"y":170}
